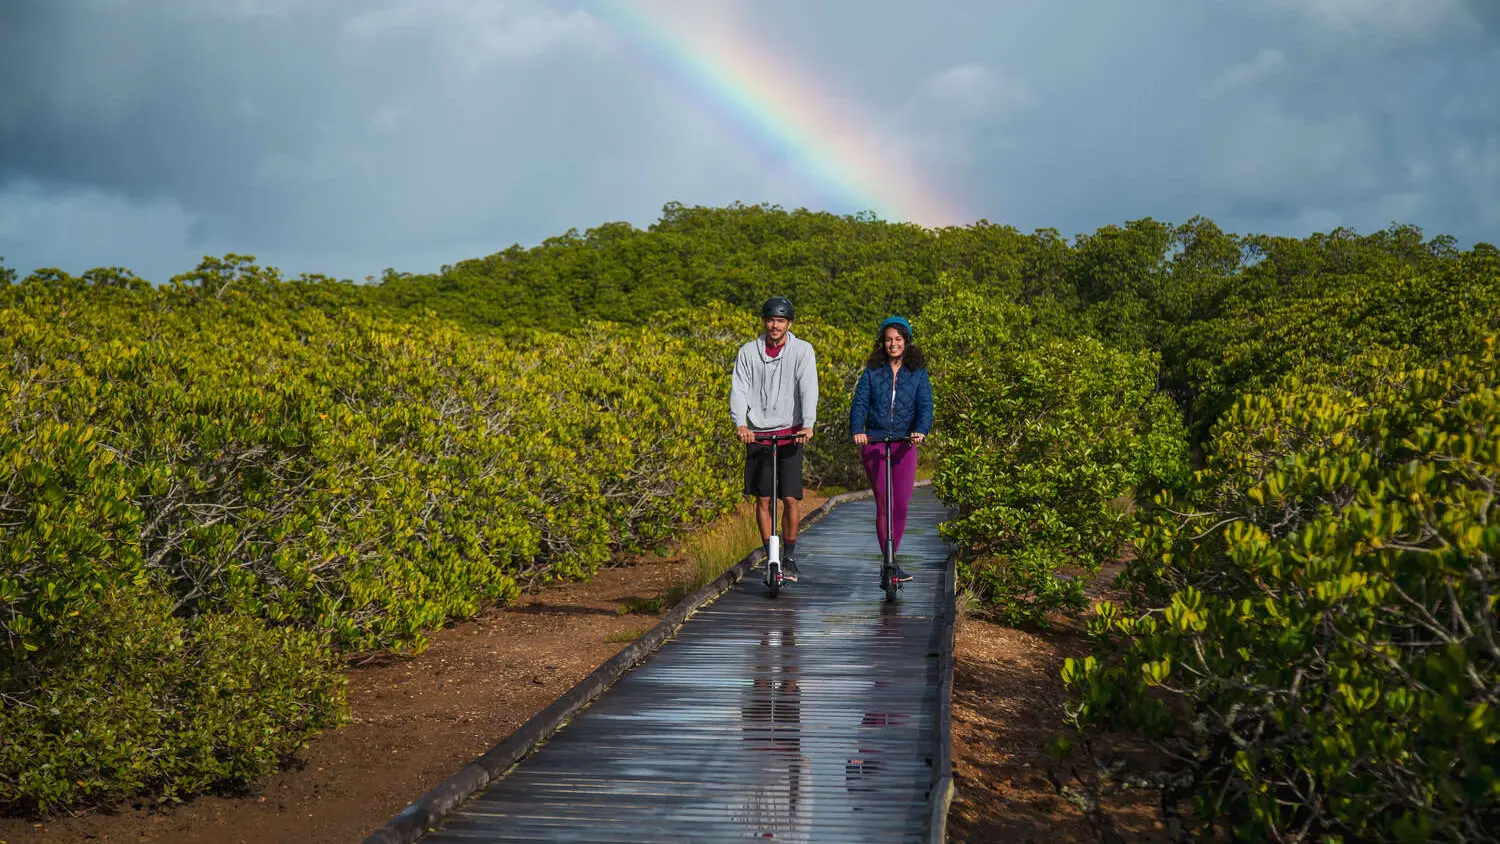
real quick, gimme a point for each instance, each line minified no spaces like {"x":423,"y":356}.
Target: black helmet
{"x":777,"y":306}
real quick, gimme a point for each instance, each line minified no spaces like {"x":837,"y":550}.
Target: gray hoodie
{"x":767,"y":394}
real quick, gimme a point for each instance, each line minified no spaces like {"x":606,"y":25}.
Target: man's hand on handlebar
{"x":748,"y":436}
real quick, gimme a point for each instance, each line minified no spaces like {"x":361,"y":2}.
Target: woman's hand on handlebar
{"x":915,"y":438}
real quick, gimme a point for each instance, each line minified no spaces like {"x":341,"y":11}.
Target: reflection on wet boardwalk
{"x":808,"y":717}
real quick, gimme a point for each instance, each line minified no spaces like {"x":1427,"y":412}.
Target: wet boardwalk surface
{"x":808,"y":717}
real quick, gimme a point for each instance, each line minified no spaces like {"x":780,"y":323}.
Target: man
{"x":774,"y":390}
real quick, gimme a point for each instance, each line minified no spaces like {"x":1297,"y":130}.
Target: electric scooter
{"x":888,"y":580}
{"x":773,"y":545}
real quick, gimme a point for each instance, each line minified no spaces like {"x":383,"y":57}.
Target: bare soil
{"x":1008,"y":701}
{"x":419,"y":719}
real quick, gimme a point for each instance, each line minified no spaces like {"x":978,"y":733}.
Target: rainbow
{"x":783,"y":111}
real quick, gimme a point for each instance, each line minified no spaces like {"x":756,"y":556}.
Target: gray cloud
{"x":343,"y":137}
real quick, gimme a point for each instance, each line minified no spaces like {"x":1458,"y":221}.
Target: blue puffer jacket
{"x":872,"y":413}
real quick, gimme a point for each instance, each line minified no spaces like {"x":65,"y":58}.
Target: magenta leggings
{"x":903,"y":476}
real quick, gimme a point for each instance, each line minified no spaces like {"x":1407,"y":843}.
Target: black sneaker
{"x":789,"y":569}
{"x":901,"y":576}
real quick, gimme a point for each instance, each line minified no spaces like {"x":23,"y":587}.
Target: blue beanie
{"x":895,"y":320}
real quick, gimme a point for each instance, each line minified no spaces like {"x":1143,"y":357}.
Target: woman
{"x":893,"y":398}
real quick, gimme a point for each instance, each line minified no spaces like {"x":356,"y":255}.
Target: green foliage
{"x":1043,"y":441}
{"x":1317,"y":643}
{"x":1325,"y":300}
{"x":847,"y":271}
{"x":104,"y":691}
{"x":234,"y":452}
{"x":131,"y":700}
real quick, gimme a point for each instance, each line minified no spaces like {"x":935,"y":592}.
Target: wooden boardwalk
{"x":813,"y":716}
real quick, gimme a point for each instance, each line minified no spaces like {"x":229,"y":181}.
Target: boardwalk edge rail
{"x":941,"y":795}
{"x":427,"y":811}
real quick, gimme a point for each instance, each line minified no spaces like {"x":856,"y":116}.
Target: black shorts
{"x":788,"y":470}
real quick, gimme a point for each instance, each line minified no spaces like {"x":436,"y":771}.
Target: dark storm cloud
{"x":344,"y":137}
{"x":304,"y":126}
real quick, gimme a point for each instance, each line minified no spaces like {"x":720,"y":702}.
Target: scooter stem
{"x":773,"y":549}
{"x":890,"y":551}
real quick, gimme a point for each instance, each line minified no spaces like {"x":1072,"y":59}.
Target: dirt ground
{"x":417,"y":720}
{"x":1007,"y":703}
{"x":1008,"y":699}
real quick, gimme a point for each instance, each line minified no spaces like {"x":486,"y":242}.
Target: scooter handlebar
{"x":780,"y":438}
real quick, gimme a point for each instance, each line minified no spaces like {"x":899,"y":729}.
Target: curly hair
{"x":912,"y":357}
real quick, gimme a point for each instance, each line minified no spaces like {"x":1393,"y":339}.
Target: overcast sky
{"x":347,"y":136}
